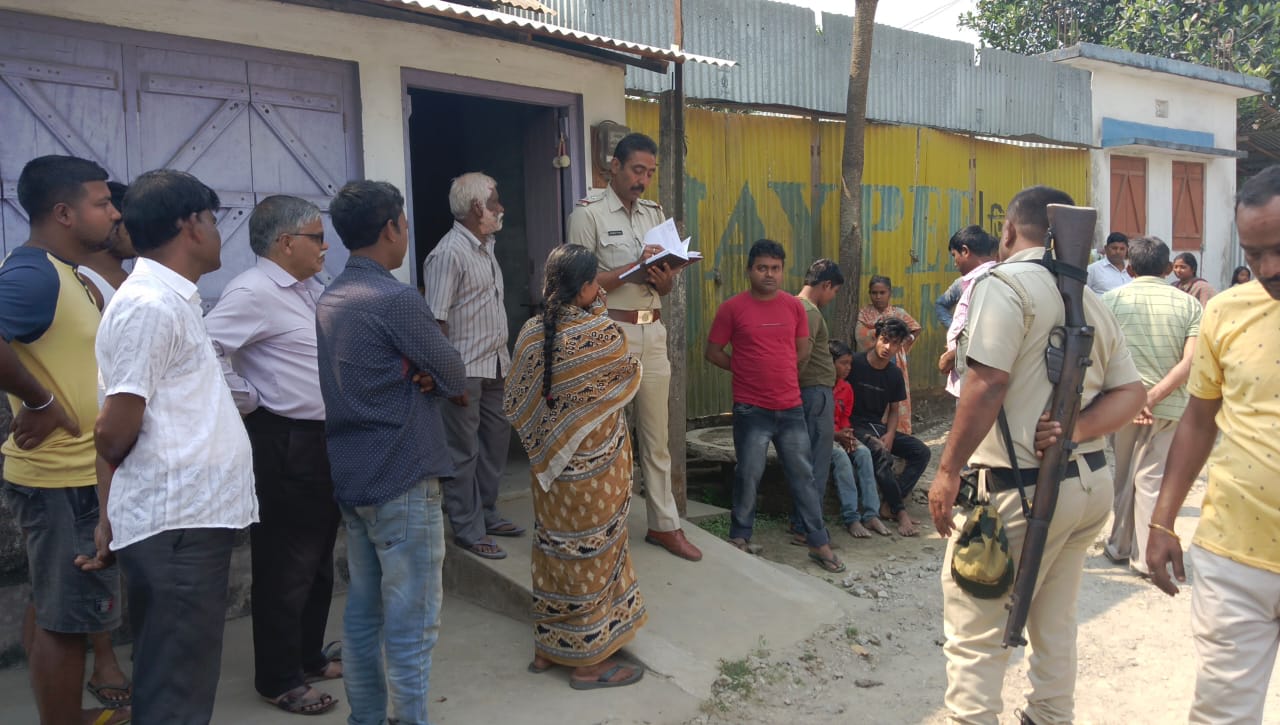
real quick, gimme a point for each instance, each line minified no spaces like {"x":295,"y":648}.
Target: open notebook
{"x":675,"y":252}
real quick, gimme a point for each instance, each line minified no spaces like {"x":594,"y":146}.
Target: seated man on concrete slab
{"x":878,"y":386}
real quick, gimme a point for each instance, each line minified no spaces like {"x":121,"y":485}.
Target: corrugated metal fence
{"x":784,"y":60}
{"x":753,"y":175}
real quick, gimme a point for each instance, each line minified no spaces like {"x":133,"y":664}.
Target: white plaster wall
{"x":1131,"y":96}
{"x":379,"y":47}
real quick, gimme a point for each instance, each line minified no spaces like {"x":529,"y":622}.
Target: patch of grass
{"x":717,"y":526}
{"x":738,"y":677}
{"x":851,"y":632}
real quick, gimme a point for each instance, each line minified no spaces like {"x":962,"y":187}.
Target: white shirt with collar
{"x":462,"y":283}
{"x":1104,"y":277}
{"x":191,"y":466}
{"x":264,"y":333}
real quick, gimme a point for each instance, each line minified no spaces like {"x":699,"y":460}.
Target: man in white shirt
{"x":264,"y":333}
{"x":463,"y":286}
{"x":974,"y":253}
{"x":174,"y":459}
{"x":1111,"y":272}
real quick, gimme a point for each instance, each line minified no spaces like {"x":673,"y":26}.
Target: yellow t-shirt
{"x":1238,"y":361}
{"x":49,"y":319}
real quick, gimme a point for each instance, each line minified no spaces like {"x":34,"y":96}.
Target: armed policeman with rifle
{"x":1046,"y":374}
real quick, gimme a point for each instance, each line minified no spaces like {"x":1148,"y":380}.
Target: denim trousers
{"x":394,"y":554}
{"x":855,"y":483}
{"x":753,"y":429}
{"x":819,"y":405}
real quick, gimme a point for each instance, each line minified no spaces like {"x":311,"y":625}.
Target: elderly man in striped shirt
{"x":1160,"y":328}
{"x":463,"y":287}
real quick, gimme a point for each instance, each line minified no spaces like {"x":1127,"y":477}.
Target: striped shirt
{"x":463,"y":287}
{"x":1156,"y":319}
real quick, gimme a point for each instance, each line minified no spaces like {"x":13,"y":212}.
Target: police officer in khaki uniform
{"x":1007,"y":368}
{"x":612,"y":224}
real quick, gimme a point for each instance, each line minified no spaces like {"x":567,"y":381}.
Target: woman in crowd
{"x":1185,"y":268}
{"x":881,"y":293}
{"x":571,"y":377}
{"x":1241,"y":275}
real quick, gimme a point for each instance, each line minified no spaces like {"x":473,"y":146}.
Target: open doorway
{"x":512,"y":133}
{"x":514,"y":142}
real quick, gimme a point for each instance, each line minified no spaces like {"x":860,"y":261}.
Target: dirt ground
{"x":884,"y":662}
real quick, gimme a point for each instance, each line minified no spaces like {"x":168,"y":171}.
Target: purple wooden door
{"x":247,"y":122}
{"x":58,"y":95}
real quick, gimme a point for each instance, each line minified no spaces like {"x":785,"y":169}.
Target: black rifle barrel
{"x":1070,"y":238}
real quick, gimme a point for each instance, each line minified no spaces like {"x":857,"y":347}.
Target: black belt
{"x":268,"y":419}
{"x":1001,"y":479}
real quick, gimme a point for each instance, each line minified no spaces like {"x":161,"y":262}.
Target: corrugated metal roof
{"x":785,"y":60}
{"x":505,"y":20}
{"x":1143,"y":61}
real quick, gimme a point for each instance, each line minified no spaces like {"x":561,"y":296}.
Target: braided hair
{"x":569,"y":267}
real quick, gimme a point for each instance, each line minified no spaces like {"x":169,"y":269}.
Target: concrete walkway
{"x":720,"y":608}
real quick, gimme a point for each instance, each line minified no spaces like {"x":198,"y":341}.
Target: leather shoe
{"x":674,"y":542}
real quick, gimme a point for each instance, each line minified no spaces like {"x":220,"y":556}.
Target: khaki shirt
{"x":996,"y":338}
{"x":601,"y":223}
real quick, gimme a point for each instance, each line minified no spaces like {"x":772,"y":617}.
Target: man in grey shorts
{"x":47,"y":325}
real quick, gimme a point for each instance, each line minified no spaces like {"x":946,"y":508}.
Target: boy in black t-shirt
{"x":878,"y":386}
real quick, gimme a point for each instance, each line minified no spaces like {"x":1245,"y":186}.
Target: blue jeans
{"x":856,"y":484}
{"x":753,"y":429}
{"x":819,"y":404}
{"x":394,"y":554}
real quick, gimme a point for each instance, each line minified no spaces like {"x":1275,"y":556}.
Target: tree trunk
{"x":855,"y":124}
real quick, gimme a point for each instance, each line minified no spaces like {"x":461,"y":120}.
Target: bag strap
{"x":1013,"y":462}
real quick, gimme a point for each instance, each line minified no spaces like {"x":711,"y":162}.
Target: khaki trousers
{"x":1235,"y":619}
{"x":974,"y":627}
{"x":649,"y":344}
{"x":1140,"y":452}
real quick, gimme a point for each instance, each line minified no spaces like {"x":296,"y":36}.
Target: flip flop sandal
{"x":482,"y":553}
{"x":105,"y":717}
{"x":831,"y":566}
{"x":505,"y":528}
{"x":107,"y":702}
{"x":331,"y":652}
{"x":535,"y":669}
{"x":294,"y":702}
{"x":603,"y":681}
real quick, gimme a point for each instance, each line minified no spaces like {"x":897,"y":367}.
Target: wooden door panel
{"x":297,"y":126}
{"x":193,"y":117}
{"x":1128,"y":195}
{"x":58,"y":95}
{"x":1188,"y":206}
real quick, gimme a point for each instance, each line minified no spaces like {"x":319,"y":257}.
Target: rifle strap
{"x":1013,"y":463}
{"x":1062,"y":269}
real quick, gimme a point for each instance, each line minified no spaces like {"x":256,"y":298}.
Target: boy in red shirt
{"x":859,"y":500}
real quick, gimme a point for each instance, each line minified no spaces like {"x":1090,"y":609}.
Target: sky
{"x":934,"y":17}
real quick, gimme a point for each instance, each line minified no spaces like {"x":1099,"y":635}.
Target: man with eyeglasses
{"x":264,"y":333}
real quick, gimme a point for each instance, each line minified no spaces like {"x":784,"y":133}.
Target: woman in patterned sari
{"x":881,"y":292}
{"x":570,"y":378}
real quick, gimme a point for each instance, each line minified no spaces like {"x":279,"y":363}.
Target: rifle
{"x":1066,"y":255}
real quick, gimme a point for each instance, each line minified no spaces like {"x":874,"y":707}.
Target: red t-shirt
{"x":843,"y":393}
{"x":763,"y":360}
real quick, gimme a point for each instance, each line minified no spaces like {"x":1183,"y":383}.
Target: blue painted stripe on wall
{"x":1113,"y":128}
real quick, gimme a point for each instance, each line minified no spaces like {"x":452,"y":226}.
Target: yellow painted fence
{"x":749,"y":176}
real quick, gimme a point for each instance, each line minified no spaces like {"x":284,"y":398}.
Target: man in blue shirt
{"x":387,"y":454}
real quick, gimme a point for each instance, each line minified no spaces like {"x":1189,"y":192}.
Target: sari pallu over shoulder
{"x":592,"y":378}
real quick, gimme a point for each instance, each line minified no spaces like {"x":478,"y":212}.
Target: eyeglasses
{"x":318,"y":237}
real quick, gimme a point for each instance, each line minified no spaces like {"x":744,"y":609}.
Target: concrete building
{"x":1164,"y":161}
{"x":299,"y":97}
